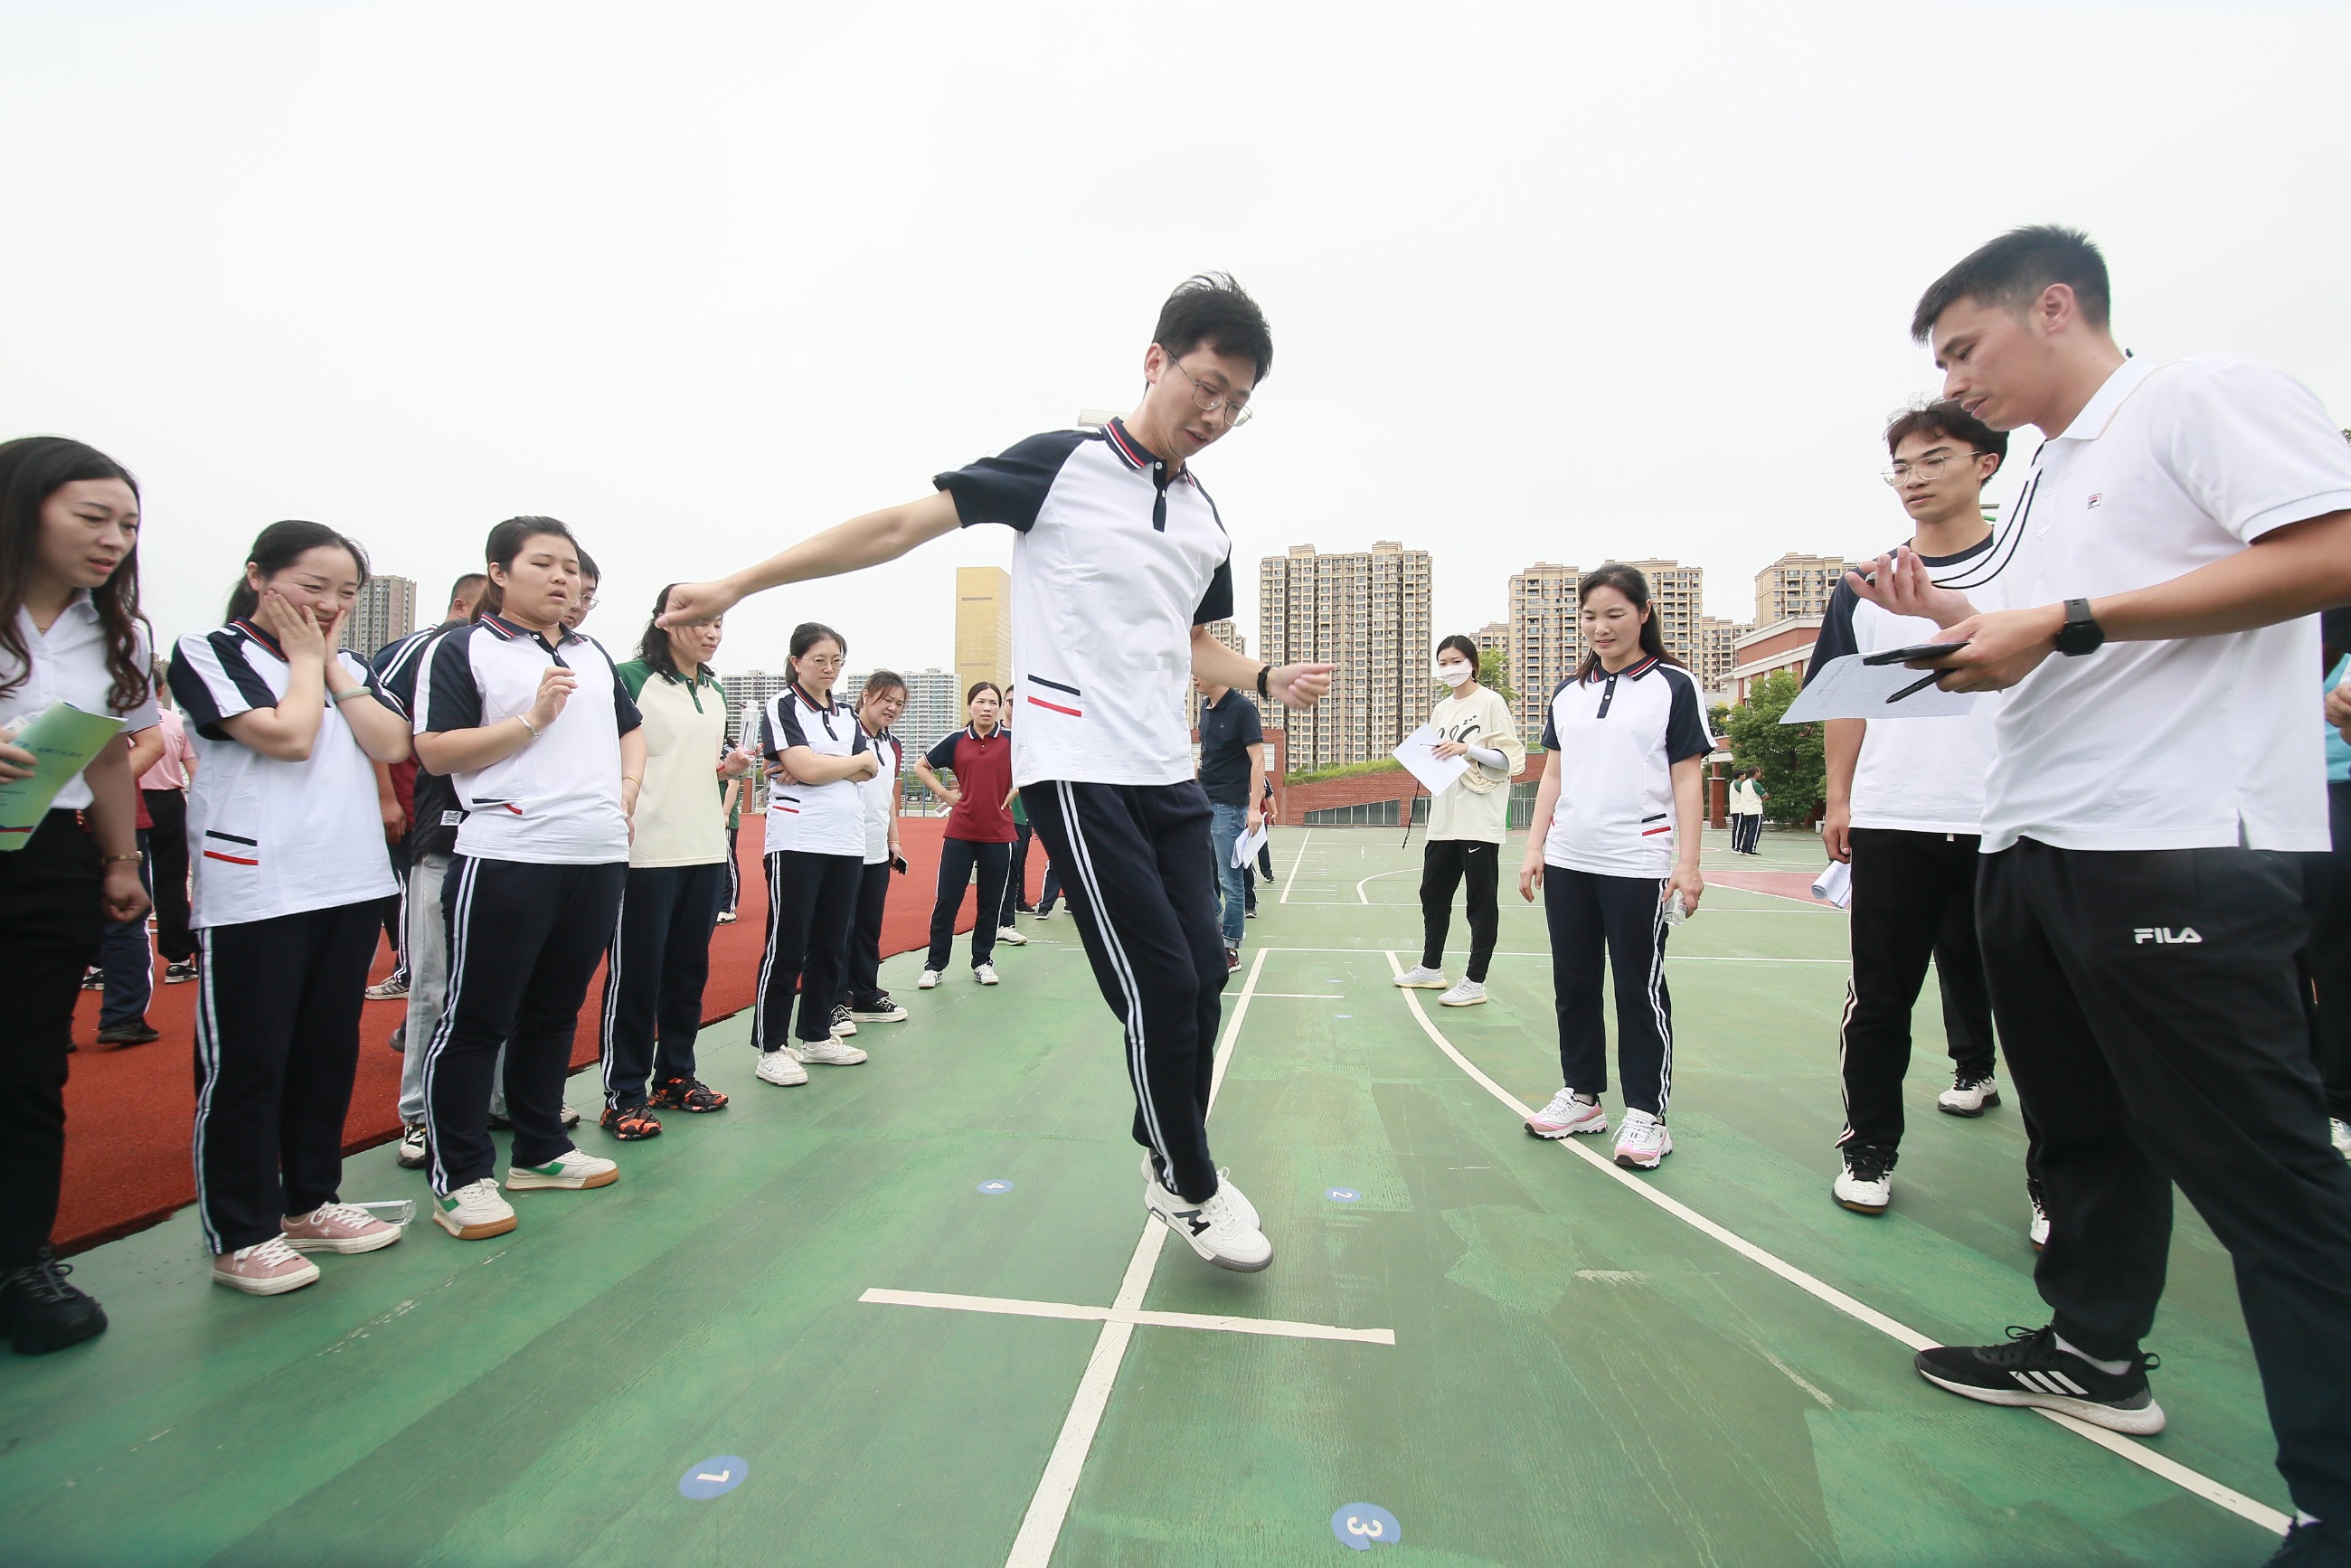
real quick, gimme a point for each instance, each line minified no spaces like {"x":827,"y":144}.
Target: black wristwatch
{"x":2081,"y":633}
{"x":1263,"y":671}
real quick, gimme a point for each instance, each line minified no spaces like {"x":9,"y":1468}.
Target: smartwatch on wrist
{"x":2081,"y":633}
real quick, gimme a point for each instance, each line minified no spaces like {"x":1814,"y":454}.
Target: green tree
{"x":1494,"y":675}
{"x":1795,"y":768}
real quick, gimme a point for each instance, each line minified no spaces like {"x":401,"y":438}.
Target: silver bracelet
{"x":342,"y":697}
{"x":524,"y":720}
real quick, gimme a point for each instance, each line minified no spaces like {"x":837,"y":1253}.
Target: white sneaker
{"x":983,"y":973}
{"x":1214,"y":1230}
{"x":574,"y":1168}
{"x":1567,"y":1115}
{"x":1467,"y":994}
{"x":1642,"y":1140}
{"x":780,"y":1068}
{"x":2038,"y":1231}
{"x":1242,"y":1207}
{"x":1864,"y":1184}
{"x":929,"y":980}
{"x":474,"y":1211}
{"x":1968,"y":1096}
{"x":1421,"y":977}
{"x":832,"y":1052}
{"x":268,"y":1268}
{"x":2341,"y":1136}
{"x":844,"y":1022}
{"x":1005,"y":934}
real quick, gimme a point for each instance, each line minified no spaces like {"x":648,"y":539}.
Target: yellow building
{"x":983,"y":627}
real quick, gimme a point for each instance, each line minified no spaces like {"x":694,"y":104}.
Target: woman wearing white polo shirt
{"x":816,"y":857}
{"x":69,"y":632}
{"x":530,"y":722}
{"x":1613,"y":846}
{"x":677,"y":879}
{"x":863,"y":1000}
{"x":291,"y":872}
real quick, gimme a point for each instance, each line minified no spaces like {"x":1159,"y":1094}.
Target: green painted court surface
{"x":1577,"y":1374}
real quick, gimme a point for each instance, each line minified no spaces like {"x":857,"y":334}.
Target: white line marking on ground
{"x":1304,"y":996}
{"x":1363,"y":897}
{"x":2137,"y":1453}
{"x":1012,"y":1307}
{"x":1049,"y":1505}
{"x":1291,"y":881}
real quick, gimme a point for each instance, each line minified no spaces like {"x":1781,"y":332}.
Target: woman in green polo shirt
{"x":678,"y":865}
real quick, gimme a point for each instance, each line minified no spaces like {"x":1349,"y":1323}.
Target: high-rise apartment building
{"x":1546,"y":639}
{"x":1677,"y":600}
{"x":749,"y":688}
{"x":1797,"y":585}
{"x":1495,"y":637}
{"x":1229,"y":633}
{"x":1365,"y":612}
{"x":983,"y":627}
{"x":934,"y":709}
{"x":1717,"y":653}
{"x":386,"y":611}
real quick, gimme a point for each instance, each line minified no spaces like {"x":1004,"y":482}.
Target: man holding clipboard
{"x":2154,"y":770}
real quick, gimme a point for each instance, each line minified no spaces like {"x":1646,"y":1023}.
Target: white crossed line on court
{"x":1012,"y":1306}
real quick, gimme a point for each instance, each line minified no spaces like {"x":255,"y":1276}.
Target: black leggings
{"x":861,"y":977}
{"x":50,"y":921}
{"x":957,"y":857}
{"x":1624,"y":915}
{"x":1445,"y":864}
{"x":812,"y":904}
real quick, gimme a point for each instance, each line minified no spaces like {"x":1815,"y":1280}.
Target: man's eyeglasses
{"x":1926,"y":468}
{"x":1207,"y":399}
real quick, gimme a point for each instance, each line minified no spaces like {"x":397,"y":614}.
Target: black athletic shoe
{"x":40,"y":1313}
{"x":136,"y":1033}
{"x":2030,"y":1370}
{"x":2320,"y":1545}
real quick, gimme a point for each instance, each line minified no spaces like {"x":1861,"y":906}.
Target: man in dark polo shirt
{"x":1232,"y":773}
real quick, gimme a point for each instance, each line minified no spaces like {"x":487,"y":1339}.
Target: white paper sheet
{"x":1834,"y":885}
{"x":1436,"y":773}
{"x":1245,"y":847}
{"x":1847,"y":688}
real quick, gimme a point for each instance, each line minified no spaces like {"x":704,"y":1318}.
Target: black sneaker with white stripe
{"x":2031,"y":1370}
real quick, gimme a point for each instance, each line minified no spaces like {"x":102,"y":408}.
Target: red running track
{"x":130,"y":1110}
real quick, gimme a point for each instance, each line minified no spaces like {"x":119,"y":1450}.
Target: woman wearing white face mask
{"x":1466,"y":823}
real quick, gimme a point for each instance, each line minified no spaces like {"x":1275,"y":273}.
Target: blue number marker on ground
{"x":994,"y":1186}
{"x":1342,"y":1194}
{"x":713,"y":1478}
{"x":1359,"y":1526}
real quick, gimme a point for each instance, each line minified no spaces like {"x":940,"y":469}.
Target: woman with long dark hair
{"x":1467,"y":824}
{"x":1613,"y":846}
{"x":69,"y":632}
{"x":291,"y":872}
{"x":532,"y":725}
{"x":863,"y":1000}
{"x":978,"y":830}
{"x":816,"y":854}
{"x":677,"y":880}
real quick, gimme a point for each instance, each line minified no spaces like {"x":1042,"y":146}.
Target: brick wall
{"x":1293,"y":802}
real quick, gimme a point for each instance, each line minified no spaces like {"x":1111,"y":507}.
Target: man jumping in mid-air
{"x":1122,"y":560}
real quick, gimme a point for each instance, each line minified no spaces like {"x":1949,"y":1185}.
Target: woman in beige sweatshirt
{"x":1466,"y":823}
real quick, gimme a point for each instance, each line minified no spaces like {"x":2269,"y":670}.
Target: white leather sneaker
{"x":1567,"y":1115}
{"x":833,"y":1051}
{"x":1642,"y":1142}
{"x":475,"y":1211}
{"x":1214,"y":1230}
{"x":780,"y":1068}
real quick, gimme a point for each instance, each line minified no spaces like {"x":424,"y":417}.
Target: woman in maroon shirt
{"x":980,"y":830}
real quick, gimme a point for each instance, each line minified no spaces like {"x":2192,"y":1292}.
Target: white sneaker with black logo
{"x":1642,"y":1142}
{"x":929,"y":981}
{"x":983,"y":973}
{"x":1242,"y":1206}
{"x":1010,"y":937}
{"x":1969,"y":1095}
{"x":1216,"y":1229}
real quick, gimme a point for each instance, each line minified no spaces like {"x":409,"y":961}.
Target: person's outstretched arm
{"x":852,"y":546}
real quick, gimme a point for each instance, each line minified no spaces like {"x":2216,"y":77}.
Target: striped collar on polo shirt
{"x":1136,"y":455}
{"x":498,"y":626}
{"x":245,"y":625}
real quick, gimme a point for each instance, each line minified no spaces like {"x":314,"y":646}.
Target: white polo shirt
{"x":69,"y":664}
{"x":267,"y":837}
{"x":1117,"y":562}
{"x":881,"y":796}
{"x":557,"y":801}
{"x":1919,"y":775}
{"x":2202,"y":742}
{"x":813,"y":818}
{"x":1617,"y":737}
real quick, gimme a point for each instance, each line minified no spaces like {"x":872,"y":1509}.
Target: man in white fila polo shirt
{"x":1121,"y":562}
{"x":2155,"y":772}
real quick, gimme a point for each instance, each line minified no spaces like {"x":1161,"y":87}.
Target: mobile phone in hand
{"x":1914,"y":654}
{"x":898,"y":864}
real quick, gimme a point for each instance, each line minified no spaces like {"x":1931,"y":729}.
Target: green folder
{"x":64,"y":738}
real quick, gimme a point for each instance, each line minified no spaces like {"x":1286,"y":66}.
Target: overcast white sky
{"x":1547,"y":281}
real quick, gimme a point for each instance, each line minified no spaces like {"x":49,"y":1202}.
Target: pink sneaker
{"x":268,"y":1269}
{"x":339,"y":1227}
{"x":1567,"y":1115}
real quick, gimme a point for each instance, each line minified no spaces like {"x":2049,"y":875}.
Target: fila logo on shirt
{"x":2143,"y":935}
{"x":2095,"y":500}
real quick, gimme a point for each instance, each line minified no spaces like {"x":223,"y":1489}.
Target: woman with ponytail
{"x":1614,"y":847}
